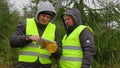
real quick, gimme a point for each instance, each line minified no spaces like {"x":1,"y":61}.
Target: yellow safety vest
{"x":72,"y":53}
{"x":31,"y":52}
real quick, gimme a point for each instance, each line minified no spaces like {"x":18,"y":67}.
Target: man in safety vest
{"x":27,"y":35}
{"x":78,"y":43}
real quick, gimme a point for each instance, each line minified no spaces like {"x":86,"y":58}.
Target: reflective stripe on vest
{"x":72,"y":53}
{"x":72,"y":47}
{"x":32,"y":51}
{"x":71,"y":59}
{"x":28,"y":53}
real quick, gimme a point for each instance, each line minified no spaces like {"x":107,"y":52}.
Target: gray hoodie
{"x":46,"y":6}
{"x":76,"y":15}
{"x":19,"y":38}
{"x":85,"y":36}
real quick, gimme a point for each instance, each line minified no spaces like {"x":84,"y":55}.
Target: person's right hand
{"x":52,"y":48}
{"x":34,"y":38}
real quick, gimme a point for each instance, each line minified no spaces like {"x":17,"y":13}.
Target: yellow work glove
{"x":52,"y":48}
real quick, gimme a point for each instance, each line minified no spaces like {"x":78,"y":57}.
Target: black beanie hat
{"x":48,"y":12}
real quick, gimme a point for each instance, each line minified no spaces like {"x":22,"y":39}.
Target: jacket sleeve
{"x":58,"y":53}
{"x":19,"y":39}
{"x":87,"y":44}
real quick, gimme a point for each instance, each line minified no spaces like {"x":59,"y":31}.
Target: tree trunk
{"x":58,"y":4}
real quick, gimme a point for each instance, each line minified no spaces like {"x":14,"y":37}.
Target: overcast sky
{"x":18,"y":4}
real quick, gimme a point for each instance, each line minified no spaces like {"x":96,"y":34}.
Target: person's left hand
{"x":34,"y":38}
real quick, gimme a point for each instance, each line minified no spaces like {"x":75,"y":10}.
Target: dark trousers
{"x":36,"y":64}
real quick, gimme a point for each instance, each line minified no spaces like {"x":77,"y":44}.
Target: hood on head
{"x":76,"y":16}
{"x":46,"y":7}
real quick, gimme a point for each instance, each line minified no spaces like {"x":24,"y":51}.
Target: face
{"x":69,"y":21}
{"x":44,"y":18}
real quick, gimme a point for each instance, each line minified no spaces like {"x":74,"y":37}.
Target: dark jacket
{"x":20,"y":39}
{"x":86,"y":37}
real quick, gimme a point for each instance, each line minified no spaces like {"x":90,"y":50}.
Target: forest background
{"x":104,"y":19}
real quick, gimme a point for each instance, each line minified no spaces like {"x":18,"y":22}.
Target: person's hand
{"x":52,"y":48}
{"x":34,"y":38}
